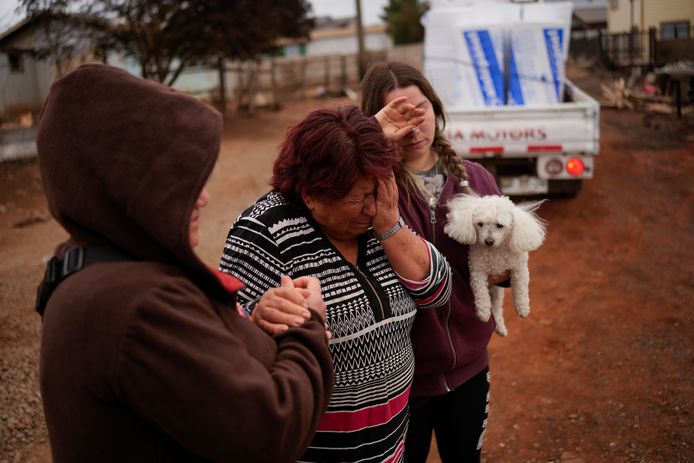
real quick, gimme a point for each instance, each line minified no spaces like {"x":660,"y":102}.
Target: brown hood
{"x":123,"y":160}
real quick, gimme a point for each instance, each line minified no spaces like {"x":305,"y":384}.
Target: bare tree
{"x":166,"y":36}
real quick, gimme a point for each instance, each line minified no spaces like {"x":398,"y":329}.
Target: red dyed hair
{"x":325,"y":154}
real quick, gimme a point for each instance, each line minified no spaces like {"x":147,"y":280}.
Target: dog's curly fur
{"x":500,"y":234}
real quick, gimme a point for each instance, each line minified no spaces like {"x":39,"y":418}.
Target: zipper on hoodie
{"x":433,"y":204}
{"x":433,"y":207}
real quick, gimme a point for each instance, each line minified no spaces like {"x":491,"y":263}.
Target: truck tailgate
{"x":509,"y":131}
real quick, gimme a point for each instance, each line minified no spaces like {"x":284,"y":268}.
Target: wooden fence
{"x":270,"y":82}
{"x":246,"y":85}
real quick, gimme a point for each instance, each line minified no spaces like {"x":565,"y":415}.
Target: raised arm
{"x":408,"y":253}
{"x":420,"y":266}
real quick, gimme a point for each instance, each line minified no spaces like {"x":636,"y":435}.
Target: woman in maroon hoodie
{"x":142,"y":358}
{"x":450,"y":392}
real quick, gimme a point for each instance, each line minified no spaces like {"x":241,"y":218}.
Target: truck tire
{"x":565,"y":188}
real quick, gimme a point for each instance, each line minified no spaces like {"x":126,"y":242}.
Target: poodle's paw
{"x":523,"y":310}
{"x":501,"y":329}
{"x":484,"y":313}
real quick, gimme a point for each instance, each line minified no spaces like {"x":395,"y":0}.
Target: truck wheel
{"x":565,"y":188}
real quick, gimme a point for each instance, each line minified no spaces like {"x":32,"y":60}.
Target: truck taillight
{"x":575,"y":167}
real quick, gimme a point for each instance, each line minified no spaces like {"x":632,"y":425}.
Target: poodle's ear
{"x":528,"y":231}
{"x":460,"y":224}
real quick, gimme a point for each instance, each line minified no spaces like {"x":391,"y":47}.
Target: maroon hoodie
{"x":450,"y":342}
{"x":144,"y":359}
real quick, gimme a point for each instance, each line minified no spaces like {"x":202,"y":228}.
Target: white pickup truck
{"x":534,"y":150}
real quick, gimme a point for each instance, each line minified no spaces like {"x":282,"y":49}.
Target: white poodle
{"x":500,"y":234}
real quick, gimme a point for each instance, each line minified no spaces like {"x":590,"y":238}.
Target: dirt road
{"x":601,"y":371}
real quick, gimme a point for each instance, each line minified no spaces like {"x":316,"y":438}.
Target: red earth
{"x":601,"y":371}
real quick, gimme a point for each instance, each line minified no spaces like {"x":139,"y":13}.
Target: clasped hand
{"x":288,"y":305}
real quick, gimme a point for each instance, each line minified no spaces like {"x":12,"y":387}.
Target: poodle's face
{"x":494,"y":221}
{"x":492,"y":225}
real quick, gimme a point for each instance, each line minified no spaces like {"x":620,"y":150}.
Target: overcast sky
{"x":7,"y":15}
{"x":371,"y":10}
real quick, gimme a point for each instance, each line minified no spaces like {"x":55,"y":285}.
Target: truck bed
{"x":516,"y":143}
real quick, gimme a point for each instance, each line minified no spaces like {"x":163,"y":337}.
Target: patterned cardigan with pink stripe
{"x":370,"y":312}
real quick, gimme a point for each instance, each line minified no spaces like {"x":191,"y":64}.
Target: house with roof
{"x":24,"y":79}
{"x":26,"y":72}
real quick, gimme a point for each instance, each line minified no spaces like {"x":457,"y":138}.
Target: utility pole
{"x":222,"y":72}
{"x":361,"y":57}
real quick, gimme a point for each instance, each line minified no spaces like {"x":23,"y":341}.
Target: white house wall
{"x":19,"y":90}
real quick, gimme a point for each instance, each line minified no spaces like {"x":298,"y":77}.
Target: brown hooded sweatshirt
{"x":145,"y":359}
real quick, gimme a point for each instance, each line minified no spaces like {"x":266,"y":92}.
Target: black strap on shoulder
{"x":76,"y":258}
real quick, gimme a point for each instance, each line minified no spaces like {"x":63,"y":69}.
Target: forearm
{"x":407,"y":253}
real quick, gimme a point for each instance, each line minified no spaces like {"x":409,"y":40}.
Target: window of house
{"x":15,"y":61}
{"x":614,"y":4}
{"x":674,"y":30}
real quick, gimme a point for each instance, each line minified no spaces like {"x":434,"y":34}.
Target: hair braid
{"x":450,"y":160}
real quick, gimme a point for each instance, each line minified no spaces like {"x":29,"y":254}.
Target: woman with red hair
{"x":333,"y":215}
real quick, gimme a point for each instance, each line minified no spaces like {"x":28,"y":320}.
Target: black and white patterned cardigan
{"x":370,"y":311}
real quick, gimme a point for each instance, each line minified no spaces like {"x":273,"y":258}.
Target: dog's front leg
{"x":498,"y":309}
{"x":480,"y":289}
{"x":520,"y":279}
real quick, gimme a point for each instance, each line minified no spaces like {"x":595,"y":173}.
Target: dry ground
{"x":601,"y":371}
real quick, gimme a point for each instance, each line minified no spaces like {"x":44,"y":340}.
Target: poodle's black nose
{"x":489,"y":242}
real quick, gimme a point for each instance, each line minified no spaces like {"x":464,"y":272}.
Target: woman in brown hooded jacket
{"x":141,"y":358}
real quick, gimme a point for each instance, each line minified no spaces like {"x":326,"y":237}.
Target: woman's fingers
{"x":400,"y":133}
{"x":398,"y":117}
{"x":271,"y":328}
{"x":281,"y":307}
{"x":287,"y":306}
{"x":275,"y":315}
{"x":310,"y":288}
{"x":287,"y":291}
{"x":398,"y":104}
{"x":387,"y":193}
{"x":292,"y":302}
{"x":392,"y":187}
{"x":310,"y":283}
{"x":280,"y":316}
{"x":387,"y":212}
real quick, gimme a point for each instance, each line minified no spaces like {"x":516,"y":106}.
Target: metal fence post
{"x":652,"y":46}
